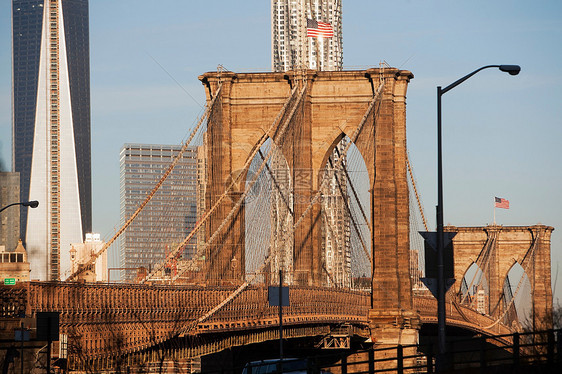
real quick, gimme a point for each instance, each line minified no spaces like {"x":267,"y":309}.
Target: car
{"x":290,"y":365}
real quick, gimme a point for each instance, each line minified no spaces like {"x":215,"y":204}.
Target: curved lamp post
{"x":31,"y":204}
{"x":441,"y":337}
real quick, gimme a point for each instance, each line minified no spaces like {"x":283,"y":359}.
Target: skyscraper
{"x":169,"y":216}
{"x":9,"y":220}
{"x":291,"y":47}
{"x":51,"y":128}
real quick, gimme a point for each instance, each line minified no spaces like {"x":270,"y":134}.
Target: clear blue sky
{"x":502,"y":134}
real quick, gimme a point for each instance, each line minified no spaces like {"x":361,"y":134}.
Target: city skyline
{"x":500,"y":132}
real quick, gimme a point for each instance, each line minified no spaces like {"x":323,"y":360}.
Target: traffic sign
{"x":430,"y":238}
{"x":430,"y":243}
{"x":21,"y":335}
{"x":274,"y":296}
{"x":9,"y":281}
{"x":48,"y":326}
{"x":431,"y":284}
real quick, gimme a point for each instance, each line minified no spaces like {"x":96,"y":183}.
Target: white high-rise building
{"x":51,"y":127}
{"x":291,"y":47}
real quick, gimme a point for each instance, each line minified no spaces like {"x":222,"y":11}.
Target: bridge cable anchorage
{"x":531,"y":253}
{"x":458,"y":307}
{"x":149,"y":197}
{"x":313,"y":201}
{"x":203,"y":220}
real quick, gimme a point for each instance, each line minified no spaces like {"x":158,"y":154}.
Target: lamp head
{"x":511,"y":69}
{"x":31,"y":204}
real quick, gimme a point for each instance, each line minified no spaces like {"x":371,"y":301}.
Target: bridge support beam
{"x":392,"y":319}
{"x":390,"y":329}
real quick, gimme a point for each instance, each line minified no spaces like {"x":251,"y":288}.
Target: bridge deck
{"x":104,"y":320}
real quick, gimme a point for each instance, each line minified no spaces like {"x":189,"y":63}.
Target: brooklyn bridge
{"x":306,"y":174}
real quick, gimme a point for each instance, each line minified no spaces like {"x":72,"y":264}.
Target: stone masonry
{"x":507,"y":245}
{"x":334,"y":104}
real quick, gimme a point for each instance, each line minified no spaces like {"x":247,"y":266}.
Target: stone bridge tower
{"x":496,"y":249}
{"x":332,"y":106}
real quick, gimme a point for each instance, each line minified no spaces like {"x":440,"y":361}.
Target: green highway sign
{"x":9,"y":281}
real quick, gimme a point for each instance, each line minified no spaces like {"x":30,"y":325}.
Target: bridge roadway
{"x":104,"y":322}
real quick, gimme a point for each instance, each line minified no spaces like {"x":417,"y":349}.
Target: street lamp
{"x":441,"y":337}
{"x":31,"y":204}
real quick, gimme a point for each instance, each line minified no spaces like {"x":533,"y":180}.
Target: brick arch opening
{"x":268,"y":209}
{"x":474,"y":291}
{"x":345,"y":215}
{"x":517,"y":286}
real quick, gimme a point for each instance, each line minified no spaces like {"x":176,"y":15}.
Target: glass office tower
{"x":170,"y":215}
{"x":51,"y":128}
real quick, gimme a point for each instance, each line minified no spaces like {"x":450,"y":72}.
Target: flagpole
{"x":494,"y":212}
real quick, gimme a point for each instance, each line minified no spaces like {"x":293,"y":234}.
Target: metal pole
{"x":441,"y":316}
{"x":281,"y":319}
{"x":21,"y":352}
{"x":49,"y":355}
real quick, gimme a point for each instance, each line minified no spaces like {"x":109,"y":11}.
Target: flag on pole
{"x":501,"y":203}
{"x":317,"y":29}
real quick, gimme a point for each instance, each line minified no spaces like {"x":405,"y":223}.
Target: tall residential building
{"x":51,"y":128}
{"x":10,"y":218}
{"x":291,"y":48}
{"x":171,"y":214}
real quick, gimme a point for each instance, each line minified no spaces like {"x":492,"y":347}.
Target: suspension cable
{"x":313,"y":201}
{"x":200,"y":223}
{"x":420,"y":207}
{"x":150,"y":195}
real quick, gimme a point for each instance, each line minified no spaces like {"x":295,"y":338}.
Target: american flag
{"x":317,"y":29}
{"x":501,"y":203}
